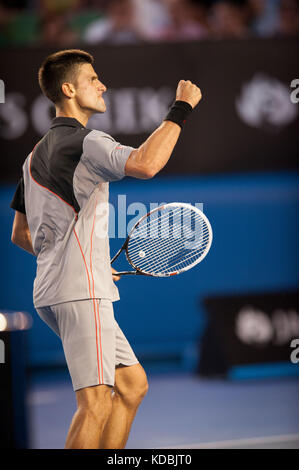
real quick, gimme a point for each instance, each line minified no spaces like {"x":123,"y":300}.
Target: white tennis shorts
{"x":92,"y":340}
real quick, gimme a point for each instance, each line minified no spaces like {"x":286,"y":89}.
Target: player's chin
{"x":96,"y":107}
{"x":96,"y":110}
{"x":101,"y":108}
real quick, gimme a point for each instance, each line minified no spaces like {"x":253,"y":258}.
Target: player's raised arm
{"x":146,"y":161}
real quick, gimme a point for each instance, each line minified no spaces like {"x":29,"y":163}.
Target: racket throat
{"x":136,"y":273}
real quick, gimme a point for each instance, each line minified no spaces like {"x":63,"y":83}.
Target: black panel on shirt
{"x":18,"y":201}
{"x":56,"y":157}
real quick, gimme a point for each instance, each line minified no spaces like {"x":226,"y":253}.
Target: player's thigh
{"x":96,"y":398}
{"x":87,"y":330}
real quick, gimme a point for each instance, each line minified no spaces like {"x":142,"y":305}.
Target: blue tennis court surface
{"x":182,"y":411}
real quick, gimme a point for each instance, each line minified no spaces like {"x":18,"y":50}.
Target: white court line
{"x":237,"y":442}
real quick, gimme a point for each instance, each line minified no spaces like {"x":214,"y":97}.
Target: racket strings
{"x":161,"y":225}
{"x":162,"y":229}
{"x":152,"y":224}
{"x":158,"y":248}
{"x":180,"y":263}
{"x":167,"y":263}
{"x":159,"y":244}
{"x":174,"y":262}
{"x":156,"y":243}
{"x":167,"y":251}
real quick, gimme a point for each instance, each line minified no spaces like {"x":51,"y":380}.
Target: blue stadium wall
{"x":255,"y":249}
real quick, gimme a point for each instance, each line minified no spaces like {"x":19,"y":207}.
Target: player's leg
{"x":129,"y":390}
{"x":88,"y":335}
{"x":130,"y":387}
{"x":94,"y":408}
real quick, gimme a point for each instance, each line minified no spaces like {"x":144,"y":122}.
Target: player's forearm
{"x":20,"y":232}
{"x":155,"y":152}
{"x":24,"y":242}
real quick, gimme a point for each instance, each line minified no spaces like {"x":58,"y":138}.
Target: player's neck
{"x":73,"y":112}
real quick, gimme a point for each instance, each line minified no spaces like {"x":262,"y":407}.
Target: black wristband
{"x":179,"y":112}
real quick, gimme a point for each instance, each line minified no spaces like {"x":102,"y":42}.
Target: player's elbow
{"x":140,"y":165}
{"x":149,"y":172}
{"x":14,"y":238}
{"x":144,"y":172}
{"x":17,"y":241}
{"x":17,"y":238}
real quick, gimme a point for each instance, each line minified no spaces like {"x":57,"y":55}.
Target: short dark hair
{"x":58,"y":68}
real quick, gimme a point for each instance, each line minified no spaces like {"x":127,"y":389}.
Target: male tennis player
{"x":58,"y":202}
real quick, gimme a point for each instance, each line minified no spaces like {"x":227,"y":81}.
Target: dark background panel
{"x":215,"y":138}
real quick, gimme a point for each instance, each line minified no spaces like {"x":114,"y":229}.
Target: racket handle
{"x":124,"y":273}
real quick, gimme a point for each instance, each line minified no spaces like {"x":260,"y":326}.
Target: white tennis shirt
{"x":64,"y":193}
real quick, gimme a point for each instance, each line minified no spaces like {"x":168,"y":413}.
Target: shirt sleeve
{"x":104,"y":156}
{"x":18,"y":201}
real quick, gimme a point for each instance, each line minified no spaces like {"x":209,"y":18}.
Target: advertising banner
{"x":247,"y":119}
{"x":250,"y":329}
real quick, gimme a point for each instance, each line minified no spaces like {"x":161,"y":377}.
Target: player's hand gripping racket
{"x":168,"y":240}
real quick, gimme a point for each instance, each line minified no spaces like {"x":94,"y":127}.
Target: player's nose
{"x":102,"y":87}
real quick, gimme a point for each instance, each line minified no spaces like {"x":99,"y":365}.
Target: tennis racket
{"x":169,"y":240}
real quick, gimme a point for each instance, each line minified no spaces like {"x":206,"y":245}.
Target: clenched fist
{"x":187,"y":91}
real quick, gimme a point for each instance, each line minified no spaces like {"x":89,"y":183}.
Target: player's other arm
{"x":20,"y":233}
{"x":146,"y":161}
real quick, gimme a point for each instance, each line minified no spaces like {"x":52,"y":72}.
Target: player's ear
{"x":68,"y":90}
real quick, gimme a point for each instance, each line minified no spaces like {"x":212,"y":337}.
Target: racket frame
{"x":122,"y":273}
{"x":144,"y":273}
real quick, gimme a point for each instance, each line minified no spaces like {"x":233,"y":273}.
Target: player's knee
{"x":144,"y":389}
{"x":141,"y":389}
{"x":133,"y":396}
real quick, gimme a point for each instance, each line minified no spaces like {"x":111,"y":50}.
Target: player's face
{"x":89,"y":90}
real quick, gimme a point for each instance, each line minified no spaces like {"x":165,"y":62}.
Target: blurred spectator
{"x":202,"y":12}
{"x":54,"y":26}
{"x":17,"y":23}
{"x":151,"y":17}
{"x":119,"y":25}
{"x":48,"y":23}
{"x":69,"y":22}
{"x":6,"y":16}
{"x":264,"y":17}
{"x":230,"y":18}
{"x":93,"y":4}
{"x":187,"y":21}
{"x":288,"y":18}
{"x":56,"y":31}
